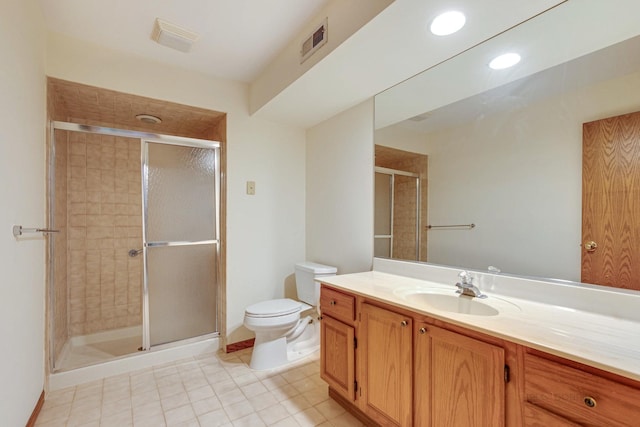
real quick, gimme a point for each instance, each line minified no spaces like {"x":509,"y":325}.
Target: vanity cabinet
{"x":392,"y":366}
{"x":337,"y":342}
{"x":408,"y":370}
{"x":459,"y":380}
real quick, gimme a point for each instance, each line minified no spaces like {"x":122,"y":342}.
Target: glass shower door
{"x":181,"y":241}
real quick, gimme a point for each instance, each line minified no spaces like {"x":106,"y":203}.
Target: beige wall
{"x":339,"y":204}
{"x":22,"y":194}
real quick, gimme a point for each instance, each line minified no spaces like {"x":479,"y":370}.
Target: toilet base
{"x":307,"y":343}
{"x":271,"y":352}
{"x":268,"y":353}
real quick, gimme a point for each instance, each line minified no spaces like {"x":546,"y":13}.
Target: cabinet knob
{"x":422,"y":330}
{"x":332,"y":302}
{"x":590,"y":402}
{"x":403,"y":323}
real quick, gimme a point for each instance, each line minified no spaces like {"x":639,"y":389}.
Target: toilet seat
{"x":273,"y":308}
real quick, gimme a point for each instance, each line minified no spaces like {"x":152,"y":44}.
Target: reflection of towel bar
{"x":19,"y":231}
{"x":469,"y":226}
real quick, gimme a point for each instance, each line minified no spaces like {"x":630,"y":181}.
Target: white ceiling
{"x":238,"y":38}
{"x":392,"y":47}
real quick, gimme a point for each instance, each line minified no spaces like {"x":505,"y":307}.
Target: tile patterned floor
{"x":216,"y":389}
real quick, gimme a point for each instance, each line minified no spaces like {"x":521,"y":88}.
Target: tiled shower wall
{"x":104,"y":222}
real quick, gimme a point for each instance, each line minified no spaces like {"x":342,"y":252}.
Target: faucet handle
{"x":465,"y":277}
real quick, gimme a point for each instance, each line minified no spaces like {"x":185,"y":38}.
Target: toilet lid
{"x":273,"y":308}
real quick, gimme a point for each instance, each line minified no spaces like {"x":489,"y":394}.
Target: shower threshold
{"x":136,"y":360}
{"x":100,"y":347}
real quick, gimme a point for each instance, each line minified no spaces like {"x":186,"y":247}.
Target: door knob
{"x":591,"y":246}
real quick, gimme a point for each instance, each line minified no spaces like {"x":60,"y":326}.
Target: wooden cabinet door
{"x":385,"y":359}
{"x":337,"y":361}
{"x":459,"y":380}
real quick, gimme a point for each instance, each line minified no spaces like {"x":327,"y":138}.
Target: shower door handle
{"x":135,"y":252}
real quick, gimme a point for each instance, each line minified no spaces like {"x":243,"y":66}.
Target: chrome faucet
{"x":466,"y":287}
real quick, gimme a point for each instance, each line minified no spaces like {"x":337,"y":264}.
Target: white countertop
{"x":604,"y":341}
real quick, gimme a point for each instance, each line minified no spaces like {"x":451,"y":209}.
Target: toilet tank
{"x":307,"y":276}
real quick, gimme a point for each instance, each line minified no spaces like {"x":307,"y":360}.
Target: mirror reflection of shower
{"x":400,"y":204}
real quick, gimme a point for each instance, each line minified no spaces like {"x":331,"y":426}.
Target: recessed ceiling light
{"x":504,"y":61}
{"x":149,"y":119}
{"x":448,"y":23}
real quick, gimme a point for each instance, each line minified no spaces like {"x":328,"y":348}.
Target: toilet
{"x":282,"y":336}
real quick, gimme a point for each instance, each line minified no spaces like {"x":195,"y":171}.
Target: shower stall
{"x":136,"y":263}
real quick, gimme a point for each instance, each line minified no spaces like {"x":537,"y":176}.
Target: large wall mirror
{"x":484,"y":168}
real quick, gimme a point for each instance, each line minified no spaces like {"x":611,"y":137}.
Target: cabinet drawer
{"x":338,"y":305}
{"x":579,"y":396}
{"x":538,"y":417}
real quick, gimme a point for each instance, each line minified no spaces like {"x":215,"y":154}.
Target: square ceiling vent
{"x":173,"y":36}
{"x":314,"y":41}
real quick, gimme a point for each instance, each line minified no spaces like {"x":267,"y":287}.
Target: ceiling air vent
{"x":314,"y":42}
{"x":173,"y":36}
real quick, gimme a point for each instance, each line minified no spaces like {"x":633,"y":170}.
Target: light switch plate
{"x":251,"y":188}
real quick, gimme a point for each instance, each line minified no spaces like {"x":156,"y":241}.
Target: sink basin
{"x":448,"y":300}
{"x":455,"y":304}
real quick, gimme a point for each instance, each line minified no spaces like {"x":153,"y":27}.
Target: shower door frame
{"x":144,"y":150}
{"x":143,"y":137}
